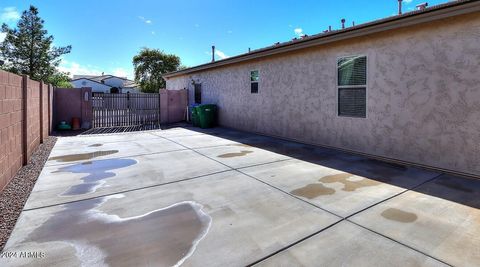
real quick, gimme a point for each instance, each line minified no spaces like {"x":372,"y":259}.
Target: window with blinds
{"x":254,"y":78}
{"x":352,"y":86}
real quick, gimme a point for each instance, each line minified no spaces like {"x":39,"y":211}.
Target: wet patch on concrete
{"x":83,"y":156}
{"x":232,"y":155}
{"x":350,"y":181}
{"x":97,"y":171}
{"x":95,"y":145}
{"x":163,"y":237}
{"x":311,"y":191}
{"x":399,"y":215}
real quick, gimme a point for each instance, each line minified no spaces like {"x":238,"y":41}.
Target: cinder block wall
{"x":11,"y":157}
{"x":21,"y":116}
{"x":173,"y":104}
{"x":423,"y":95}
{"x":33,"y":116}
{"x":70,"y":103}
{"x":44,"y":112}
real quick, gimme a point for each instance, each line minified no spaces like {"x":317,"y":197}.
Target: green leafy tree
{"x":27,"y":49}
{"x":60,"y":79}
{"x":150,"y":65}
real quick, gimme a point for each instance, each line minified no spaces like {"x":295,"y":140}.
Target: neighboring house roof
{"x":90,"y":80}
{"x":98,"y":79}
{"x":441,"y":11}
{"x":76,"y":77}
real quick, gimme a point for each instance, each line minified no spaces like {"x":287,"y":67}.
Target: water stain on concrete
{"x":399,"y":215}
{"x":95,"y":145}
{"x":162,"y":237}
{"x":454,"y":185}
{"x":348,"y":184}
{"x":83,"y":156}
{"x":232,"y":155}
{"x":97,"y":171}
{"x":311,"y":191}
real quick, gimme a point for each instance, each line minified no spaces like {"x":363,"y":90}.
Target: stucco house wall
{"x":96,"y":87}
{"x":114,"y":81}
{"x":423,"y":95}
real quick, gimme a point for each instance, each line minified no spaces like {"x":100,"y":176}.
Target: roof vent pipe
{"x":329,"y":28}
{"x":353,"y":23}
{"x":400,"y":7}
{"x":422,"y":6}
{"x":213,"y":53}
{"x":343,"y":23}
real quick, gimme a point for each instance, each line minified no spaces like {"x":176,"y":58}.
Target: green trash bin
{"x":195,"y":116}
{"x":207,"y":115}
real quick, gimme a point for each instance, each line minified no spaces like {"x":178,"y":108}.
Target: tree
{"x":27,"y":49}
{"x":60,"y":79}
{"x":150,"y":65}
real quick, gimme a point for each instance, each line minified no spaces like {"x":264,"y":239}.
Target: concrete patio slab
{"x":82,"y":140}
{"x":69,"y":182}
{"x":440,"y":218}
{"x":239,"y":155}
{"x":180,"y":131}
{"x":346,"y":244}
{"x":223,"y":220}
{"x":342,"y":193}
{"x":98,"y":150}
{"x":241,"y":199}
{"x":201,"y":140}
{"x":188,"y":131}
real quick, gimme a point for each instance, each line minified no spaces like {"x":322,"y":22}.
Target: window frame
{"x":338,"y":87}
{"x":257,"y":81}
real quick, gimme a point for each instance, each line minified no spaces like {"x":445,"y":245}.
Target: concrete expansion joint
{"x":347,"y":219}
{"x":122,"y":157}
{"x":126,"y":191}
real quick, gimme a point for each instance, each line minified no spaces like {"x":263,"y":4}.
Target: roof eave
{"x":431,"y":14}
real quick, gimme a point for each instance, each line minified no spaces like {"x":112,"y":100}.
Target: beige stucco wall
{"x":423,"y":95}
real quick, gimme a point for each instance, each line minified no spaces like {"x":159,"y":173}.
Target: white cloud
{"x":76,"y":69}
{"x":153,"y":33}
{"x":407,"y":1}
{"x":196,"y":25}
{"x":9,"y":14}
{"x":218,"y":53}
{"x":229,"y":31}
{"x":147,"y":21}
{"x":121,"y":72}
{"x":298,"y":32}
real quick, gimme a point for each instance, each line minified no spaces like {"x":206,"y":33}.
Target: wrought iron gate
{"x":113,"y":110}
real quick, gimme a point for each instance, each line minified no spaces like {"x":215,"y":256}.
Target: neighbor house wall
{"x":114,"y":82}
{"x":22,"y":114}
{"x":423,"y":95}
{"x":96,"y":87}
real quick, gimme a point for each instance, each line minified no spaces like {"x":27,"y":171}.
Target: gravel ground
{"x":15,"y":194}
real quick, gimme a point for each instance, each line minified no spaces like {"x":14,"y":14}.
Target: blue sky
{"x":106,"y":34}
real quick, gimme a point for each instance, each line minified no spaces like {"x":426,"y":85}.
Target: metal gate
{"x":114,"y":110}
